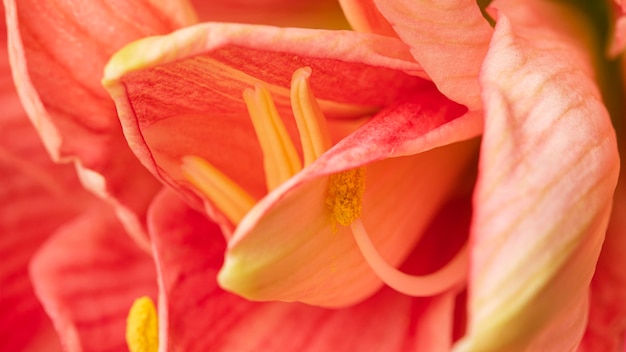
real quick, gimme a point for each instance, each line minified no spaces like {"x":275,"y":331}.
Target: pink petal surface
{"x":58,"y":50}
{"x":547,"y":174}
{"x":196,"y":315}
{"x":36,"y":197}
{"x":286,"y":248}
{"x":182,"y":94}
{"x":284,"y":13}
{"x":87,"y":277}
{"x":448,"y":38}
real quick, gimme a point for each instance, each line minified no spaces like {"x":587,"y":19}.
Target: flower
{"x":61,"y":279}
{"x":197,"y":108}
{"x":214,"y":103}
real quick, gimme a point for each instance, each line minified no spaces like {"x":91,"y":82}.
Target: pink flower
{"x":266,"y":132}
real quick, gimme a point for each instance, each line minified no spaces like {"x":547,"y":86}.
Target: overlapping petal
{"x":36,"y":197}
{"x":58,"y":50}
{"x":182,"y":94}
{"x":87,"y":277}
{"x":448,"y":38}
{"x":286,"y":248}
{"x":606,"y":328}
{"x":548,"y":170}
{"x":198,"y":315}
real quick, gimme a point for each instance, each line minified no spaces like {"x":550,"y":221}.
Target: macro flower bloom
{"x":325,"y":159}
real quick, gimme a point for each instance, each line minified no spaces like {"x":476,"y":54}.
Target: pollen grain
{"x":345,"y":194}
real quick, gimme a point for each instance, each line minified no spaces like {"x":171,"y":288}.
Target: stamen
{"x":280,"y":158}
{"x":445,"y":278}
{"x":142,"y":326}
{"x":225,"y":194}
{"x":309,"y":117}
{"x":345,"y":193}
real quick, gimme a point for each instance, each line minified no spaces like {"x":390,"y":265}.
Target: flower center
{"x":345,"y":189}
{"x":142,"y":326}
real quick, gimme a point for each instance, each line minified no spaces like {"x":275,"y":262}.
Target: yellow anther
{"x":280,"y":157}
{"x":225,"y":194}
{"x":309,"y":117}
{"x":142,"y":333}
{"x":345,"y":195}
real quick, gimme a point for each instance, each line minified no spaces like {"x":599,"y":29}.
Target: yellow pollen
{"x":280,"y":157}
{"x":223,"y":192}
{"x":309,"y":117}
{"x":345,"y":194}
{"x":142,"y":333}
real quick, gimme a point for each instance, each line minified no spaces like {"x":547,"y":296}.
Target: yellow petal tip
{"x":237,"y":277}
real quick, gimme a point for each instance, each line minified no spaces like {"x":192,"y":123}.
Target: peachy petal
{"x":287,"y":248}
{"x":606,"y":328}
{"x":87,"y":277}
{"x":448,"y":38}
{"x":200,"y":316}
{"x":58,"y":50}
{"x":36,"y":197}
{"x":547,"y":173}
{"x":181,"y":94}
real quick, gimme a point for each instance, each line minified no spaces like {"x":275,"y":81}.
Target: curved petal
{"x":87,"y":277}
{"x":58,"y":50}
{"x":448,"y":38}
{"x":607,"y":314}
{"x":606,"y":329}
{"x":36,"y":197}
{"x":548,"y":170}
{"x":287,"y":249}
{"x":181,"y":94}
{"x":323,"y":14}
{"x":200,"y":316}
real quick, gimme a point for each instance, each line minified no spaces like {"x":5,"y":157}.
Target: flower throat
{"x":344,"y":198}
{"x":281,"y":162}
